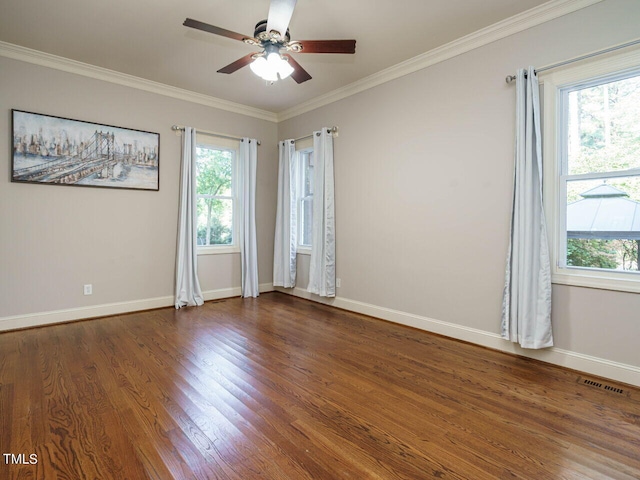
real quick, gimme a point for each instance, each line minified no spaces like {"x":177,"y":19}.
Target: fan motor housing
{"x":261,"y":33}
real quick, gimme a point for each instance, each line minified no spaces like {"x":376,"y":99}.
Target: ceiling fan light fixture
{"x":261,"y":68}
{"x":279,"y":65}
{"x":271,"y":67}
{"x":285,"y":68}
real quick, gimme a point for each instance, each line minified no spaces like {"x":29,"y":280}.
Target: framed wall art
{"x":62,"y":151}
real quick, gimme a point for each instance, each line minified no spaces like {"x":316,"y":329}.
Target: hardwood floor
{"x":283,"y":388}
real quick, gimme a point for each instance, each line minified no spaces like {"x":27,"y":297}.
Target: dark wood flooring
{"x":282,"y":388}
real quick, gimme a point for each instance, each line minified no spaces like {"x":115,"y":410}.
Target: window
{"x":216,"y":197}
{"x":304,"y":193}
{"x":592,"y":172}
{"x":305,"y":197}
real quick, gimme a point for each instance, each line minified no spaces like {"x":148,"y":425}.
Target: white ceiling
{"x":146,"y":38}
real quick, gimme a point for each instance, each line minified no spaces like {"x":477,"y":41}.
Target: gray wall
{"x":424,"y":172}
{"x":423,"y":187}
{"x":54,"y":239}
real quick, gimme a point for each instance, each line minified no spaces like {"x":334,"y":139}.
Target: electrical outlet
{"x":338,"y":282}
{"x":88,"y":289}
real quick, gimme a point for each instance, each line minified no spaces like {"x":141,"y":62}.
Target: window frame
{"x":555,"y":85}
{"x":225,"y":145}
{"x":302,"y":148}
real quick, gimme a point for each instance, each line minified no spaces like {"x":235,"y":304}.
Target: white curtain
{"x":248,"y":160}
{"x":526,"y":306}
{"x":286,"y":237}
{"x":322,"y":269}
{"x":188,"y":292}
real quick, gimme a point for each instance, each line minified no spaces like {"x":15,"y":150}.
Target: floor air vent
{"x":613,"y":389}
{"x":602,"y":386}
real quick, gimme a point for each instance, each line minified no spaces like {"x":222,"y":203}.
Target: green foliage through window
{"x":214,"y":170}
{"x":595,"y":253}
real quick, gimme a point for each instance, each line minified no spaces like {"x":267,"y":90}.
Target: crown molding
{"x":518,"y":23}
{"x":36,"y":57}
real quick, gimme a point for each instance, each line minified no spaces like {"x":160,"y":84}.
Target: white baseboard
{"x":576,"y":361}
{"x":60,"y":316}
{"x":80,"y":313}
{"x":266,"y":287}
{"x":232,"y":292}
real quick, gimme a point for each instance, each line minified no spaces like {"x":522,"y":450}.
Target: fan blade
{"x":280,"y":12}
{"x":205,"y":27}
{"x":299,"y":74}
{"x":327,"y":46}
{"x":238,"y":64}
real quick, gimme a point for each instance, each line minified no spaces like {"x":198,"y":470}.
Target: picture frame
{"x":53,"y":150}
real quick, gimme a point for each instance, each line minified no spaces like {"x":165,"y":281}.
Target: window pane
{"x":307,"y":174}
{"x":214,"y":170}
{"x":214,"y":178}
{"x":603,"y":131}
{"x":305,"y":195}
{"x":215,"y":221}
{"x":306,"y":220}
{"x":603,"y":223}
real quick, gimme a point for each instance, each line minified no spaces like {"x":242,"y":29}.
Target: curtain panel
{"x":248,"y":159}
{"x":526,"y":307}
{"x":286,"y":236}
{"x":322,"y":268}
{"x":188,"y":292}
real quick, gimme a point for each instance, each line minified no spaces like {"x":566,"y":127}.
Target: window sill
{"x":218,"y":250}
{"x":622,"y":282}
{"x":304,"y":250}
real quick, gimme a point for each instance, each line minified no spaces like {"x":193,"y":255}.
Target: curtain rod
{"x":180,"y":128}
{"x":511,"y":78}
{"x":332,"y":130}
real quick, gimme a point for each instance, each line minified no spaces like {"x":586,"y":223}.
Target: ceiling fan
{"x":272,"y":36}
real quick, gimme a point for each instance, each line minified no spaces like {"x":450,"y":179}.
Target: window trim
{"x":553,"y":83}
{"x":234,"y":147}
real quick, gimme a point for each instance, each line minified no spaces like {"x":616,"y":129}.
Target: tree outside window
{"x":215,"y":196}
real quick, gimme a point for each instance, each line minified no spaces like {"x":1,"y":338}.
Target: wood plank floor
{"x":282,"y":388}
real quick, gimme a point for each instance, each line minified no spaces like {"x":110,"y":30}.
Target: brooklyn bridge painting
{"x":61,"y":151}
